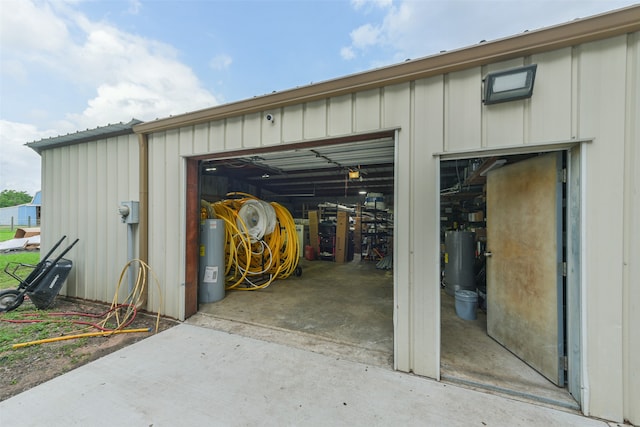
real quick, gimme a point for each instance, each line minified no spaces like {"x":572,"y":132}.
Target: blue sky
{"x":70,"y":65}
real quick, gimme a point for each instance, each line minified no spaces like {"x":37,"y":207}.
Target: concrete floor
{"x":469,"y":356}
{"x":338,"y":309}
{"x":196,"y":376}
{"x":346,"y":311}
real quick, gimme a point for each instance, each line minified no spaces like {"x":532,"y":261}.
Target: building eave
{"x":610,"y":24}
{"x":103,"y":132}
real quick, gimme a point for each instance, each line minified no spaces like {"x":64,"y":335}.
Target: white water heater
{"x":212,"y":254}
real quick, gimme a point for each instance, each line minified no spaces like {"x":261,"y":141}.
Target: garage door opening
{"x":341,"y":302}
{"x":505,"y":225}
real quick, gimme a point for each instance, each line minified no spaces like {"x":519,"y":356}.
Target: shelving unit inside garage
{"x":341,"y":232}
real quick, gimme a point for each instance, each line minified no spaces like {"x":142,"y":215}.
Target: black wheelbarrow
{"x":42,"y":284}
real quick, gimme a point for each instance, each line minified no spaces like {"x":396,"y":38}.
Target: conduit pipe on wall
{"x":143,"y":208}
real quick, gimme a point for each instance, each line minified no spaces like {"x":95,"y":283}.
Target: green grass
{"x":29,"y":331}
{"x":46,"y":328}
{"x":8,"y":282}
{"x":26,"y":257}
{"x":49,"y":327}
{"x":6,"y":233}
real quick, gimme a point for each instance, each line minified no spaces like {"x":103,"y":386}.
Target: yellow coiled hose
{"x":275,"y":256}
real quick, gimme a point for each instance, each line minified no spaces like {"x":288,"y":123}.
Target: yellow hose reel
{"x":261,"y":241}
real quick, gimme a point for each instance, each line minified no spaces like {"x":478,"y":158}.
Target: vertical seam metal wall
{"x":79,"y":202}
{"x":480,"y":127}
{"x":631,"y":288}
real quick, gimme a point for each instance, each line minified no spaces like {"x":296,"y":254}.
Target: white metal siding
{"x":397,"y":103}
{"x":252,"y":128}
{"x":292,"y":123}
{"x":367,"y":110}
{"x":186,"y":141}
{"x":233,"y":134}
{"x":340,"y":115}
{"x":462,"y":101}
{"x":550,"y":111}
{"x":83,"y":186}
{"x":166,"y":223}
{"x":601,"y":103}
{"x":504,"y":124}
{"x":315,"y":119}
{"x":216,"y":136}
{"x":631,"y":265}
{"x":429,"y":135}
{"x":579,"y":93}
{"x":201,"y":138}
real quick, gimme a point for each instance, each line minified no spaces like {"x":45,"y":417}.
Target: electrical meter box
{"x":130,"y":212}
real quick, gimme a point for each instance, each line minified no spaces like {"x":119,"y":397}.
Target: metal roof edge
{"x":102,"y":132}
{"x":582,"y":30}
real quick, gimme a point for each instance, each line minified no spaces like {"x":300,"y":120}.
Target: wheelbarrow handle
{"x":37,"y":269}
{"x":47,"y":267}
{"x":46,"y":257}
{"x":64,"y":252}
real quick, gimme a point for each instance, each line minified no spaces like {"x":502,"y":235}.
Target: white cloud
{"x":413,"y":29}
{"x":119,"y":76}
{"x":408,"y":29}
{"x":19,"y":165}
{"x":26,"y":28}
{"x":13,"y":70}
{"x":134,"y":7}
{"x":138,"y":78}
{"x":220,"y":62}
{"x":347,"y":53}
{"x":129,"y":74}
{"x":365,"y":36}
{"x":360,"y":4}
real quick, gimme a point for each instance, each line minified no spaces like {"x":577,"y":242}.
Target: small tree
{"x":14,"y":198}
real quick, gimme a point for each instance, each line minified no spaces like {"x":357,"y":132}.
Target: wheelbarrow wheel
{"x":10,"y":299}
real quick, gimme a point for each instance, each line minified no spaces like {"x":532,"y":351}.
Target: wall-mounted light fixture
{"x":509,"y":85}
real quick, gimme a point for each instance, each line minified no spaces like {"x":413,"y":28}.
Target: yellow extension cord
{"x":275,"y":256}
{"x":135,"y":299}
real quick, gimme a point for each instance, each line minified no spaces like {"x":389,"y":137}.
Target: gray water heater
{"x":459,"y":261}
{"x":212,"y":254}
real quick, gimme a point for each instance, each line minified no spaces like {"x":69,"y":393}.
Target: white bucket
{"x":466,"y":304}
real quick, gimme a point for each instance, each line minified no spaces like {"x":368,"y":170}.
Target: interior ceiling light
{"x":265,"y":176}
{"x":509,"y":85}
{"x":210,"y":169}
{"x":354,"y":174}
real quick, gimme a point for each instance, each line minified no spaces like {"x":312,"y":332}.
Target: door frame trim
{"x":510,"y":150}
{"x":544,"y":147}
{"x":575,"y":283}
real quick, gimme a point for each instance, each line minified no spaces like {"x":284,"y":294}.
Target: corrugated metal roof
{"x":102,"y":132}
